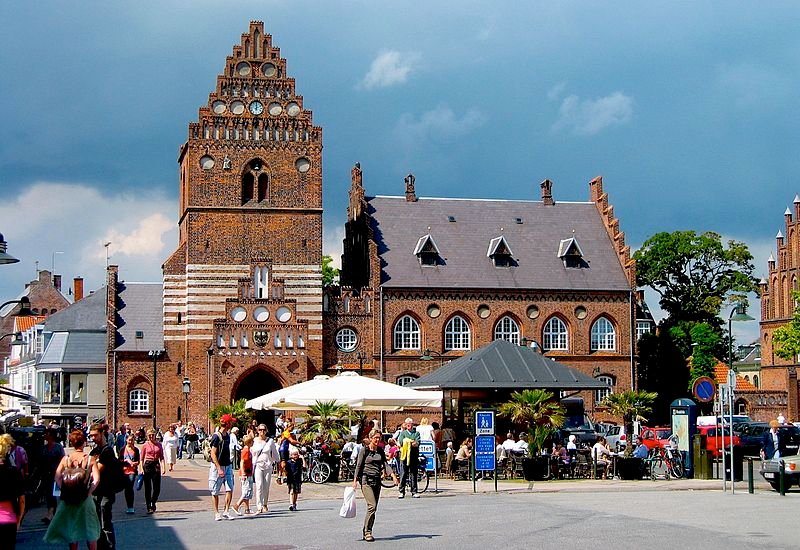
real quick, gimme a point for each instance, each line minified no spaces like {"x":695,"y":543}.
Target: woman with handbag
{"x":371,"y":465}
{"x":76,"y":518}
{"x":130,"y":467}
{"x":153,"y":468}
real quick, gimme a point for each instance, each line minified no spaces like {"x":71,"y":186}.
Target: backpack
{"x":75,"y":479}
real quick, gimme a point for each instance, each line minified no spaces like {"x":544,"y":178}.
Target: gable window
{"x":500,"y":252}
{"x":642,"y":328}
{"x":456,"y":334}
{"x":554,"y":336}
{"x":138,"y":401}
{"x":571,"y":254}
{"x":507,"y":329}
{"x":426,"y":251}
{"x":604,"y":337}
{"x":346,"y":339}
{"x":601,"y":394}
{"x":405,"y":379}
{"x":406,"y":333}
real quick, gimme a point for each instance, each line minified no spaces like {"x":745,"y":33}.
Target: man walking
{"x":220,"y":473}
{"x":408,"y":440}
{"x":180,"y":431}
{"x":773,"y":444}
{"x":104,"y":495}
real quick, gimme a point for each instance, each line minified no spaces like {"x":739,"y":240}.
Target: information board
{"x":484,"y":452}
{"x":428,"y":450}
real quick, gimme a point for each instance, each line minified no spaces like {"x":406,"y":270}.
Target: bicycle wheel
{"x":423,"y":479}
{"x":676,"y":468}
{"x":320,"y":472}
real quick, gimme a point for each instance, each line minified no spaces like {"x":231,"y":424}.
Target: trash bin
{"x":703,"y":462}
{"x":737,"y":463}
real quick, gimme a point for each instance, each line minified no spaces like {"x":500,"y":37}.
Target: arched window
{"x":138,"y":401}
{"x":456,"y":334}
{"x":755,"y":380}
{"x":255,"y":182}
{"x":554,"y":335}
{"x":405,"y":379}
{"x":604,"y":337}
{"x":406,"y":333}
{"x":346,"y":339}
{"x":507,"y":329}
{"x":601,"y":394}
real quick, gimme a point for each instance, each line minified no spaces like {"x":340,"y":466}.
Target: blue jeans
{"x":180,"y":447}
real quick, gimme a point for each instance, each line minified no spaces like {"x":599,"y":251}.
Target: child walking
{"x":246,"y":475}
{"x":294,"y":477}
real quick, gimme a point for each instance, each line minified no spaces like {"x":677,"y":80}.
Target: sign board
{"x":484,"y":452}
{"x":428,"y":450}
{"x":35,"y":409}
{"x":484,"y":423}
{"x":732,"y":378}
{"x":704,"y":389}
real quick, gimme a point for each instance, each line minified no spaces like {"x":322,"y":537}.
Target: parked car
{"x":713,"y":436}
{"x":616,"y":437}
{"x":770,"y":470}
{"x":656,"y":437}
{"x":751,"y":436}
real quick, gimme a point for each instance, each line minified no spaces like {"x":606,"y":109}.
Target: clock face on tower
{"x":256,"y":107}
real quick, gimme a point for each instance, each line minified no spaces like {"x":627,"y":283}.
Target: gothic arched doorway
{"x":254,"y":383}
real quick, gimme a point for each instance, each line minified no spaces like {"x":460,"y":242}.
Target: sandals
{"x":369,"y":538}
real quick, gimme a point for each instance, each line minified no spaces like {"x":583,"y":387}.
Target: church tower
{"x":243,"y":291}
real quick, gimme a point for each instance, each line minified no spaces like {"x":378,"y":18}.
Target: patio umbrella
{"x":347,"y":388}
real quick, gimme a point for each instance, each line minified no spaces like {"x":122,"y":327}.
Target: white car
{"x":616,"y":437}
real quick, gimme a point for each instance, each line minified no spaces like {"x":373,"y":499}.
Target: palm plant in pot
{"x":543,"y":415}
{"x":630,"y":406}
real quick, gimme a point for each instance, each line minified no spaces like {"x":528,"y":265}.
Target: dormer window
{"x":571,"y":254}
{"x":426,"y":251}
{"x":500,"y":252}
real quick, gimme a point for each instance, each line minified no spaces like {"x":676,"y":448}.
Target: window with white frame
{"x":601,"y":394}
{"x":507,"y":329}
{"x":554,"y":335}
{"x":406,"y":333}
{"x":405,"y":379}
{"x":138,"y":401}
{"x":456,"y":334}
{"x":346,"y":339}
{"x":604,"y":337}
{"x":642,"y":328}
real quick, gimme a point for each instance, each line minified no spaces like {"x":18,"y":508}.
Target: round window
{"x":483,"y":311}
{"x":219,"y":107}
{"x":292,"y":109}
{"x":283,"y":314}
{"x":239,"y":314}
{"x":346,"y":339}
{"x":275,"y":109}
{"x":237,"y":107}
{"x":268,"y":69}
{"x":303,"y":165}
{"x":434,"y":311}
{"x":533,"y":312}
{"x":261,"y":314}
{"x":580,"y":312}
{"x":243,"y":68}
{"x":206,"y":162}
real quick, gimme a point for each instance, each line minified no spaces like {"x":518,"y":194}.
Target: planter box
{"x":536,"y":468}
{"x":630,"y":468}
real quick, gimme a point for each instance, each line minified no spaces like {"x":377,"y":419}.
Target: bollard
{"x":750,"y":474}
{"x":781,"y":480}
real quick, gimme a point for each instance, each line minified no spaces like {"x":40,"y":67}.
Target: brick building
{"x":779,"y":376}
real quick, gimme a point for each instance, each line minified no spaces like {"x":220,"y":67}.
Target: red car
{"x":655,"y":437}
{"x":713,"y":443}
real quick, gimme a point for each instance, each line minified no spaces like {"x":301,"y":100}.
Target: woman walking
{"x":76,"y":518}
{"x":371,"y":464}
{"x":52,"y":453}
{"x":153,"y":468}
{"x":265,"y":455}
{"x":170,"y":445}
{"x":130,"y":467}
{"x":12,"y":495}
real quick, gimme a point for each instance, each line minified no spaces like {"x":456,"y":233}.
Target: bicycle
{"x":666,"y":462}
{"x":314,"y":469}
{"x":423,"y":477}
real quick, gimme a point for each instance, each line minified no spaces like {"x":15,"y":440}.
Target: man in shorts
{"x":220,"y":473}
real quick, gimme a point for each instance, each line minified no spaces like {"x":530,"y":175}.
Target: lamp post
{"x":426,"y":355}
{"x":25,"y":306}
{"x":187,"y":387}
{"x":17,"y":341}
{"x":155,"y":354}
{"x":361,"y":356}
{"x":5,"y":258}
{"x":738,"y":313}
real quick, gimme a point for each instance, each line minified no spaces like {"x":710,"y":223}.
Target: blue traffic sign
{"x":428,"y":450}
{"x":484,"y":423}
{"x":484,"y":452}
{"x":704,"y":389}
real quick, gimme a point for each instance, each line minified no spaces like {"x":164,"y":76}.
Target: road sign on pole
{"x":484,"y":453}
{"x":428,"y":450}
{"x":484,"y":423}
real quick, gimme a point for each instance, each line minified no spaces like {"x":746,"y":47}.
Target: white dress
{"x":170,"y":445}
{"x":265,"y":455}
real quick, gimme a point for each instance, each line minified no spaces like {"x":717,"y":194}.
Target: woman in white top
{"x":170,"y":445}
{"x":425,"y":430}
{"x":264,"y":453}
{"x":601,"y":455}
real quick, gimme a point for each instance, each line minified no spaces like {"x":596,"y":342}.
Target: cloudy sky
{"x":688,"y":110}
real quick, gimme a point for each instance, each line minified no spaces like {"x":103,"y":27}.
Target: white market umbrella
{"x":350,"y":389}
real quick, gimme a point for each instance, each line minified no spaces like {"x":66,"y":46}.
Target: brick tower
{"x":243,"y":290}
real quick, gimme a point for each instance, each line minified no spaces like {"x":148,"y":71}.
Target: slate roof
{"x":502,"y":364}
{"x":78,"y":347}
{"x":139,"y":309}
{"x":86,"y":314}
{"x":398,"y":225}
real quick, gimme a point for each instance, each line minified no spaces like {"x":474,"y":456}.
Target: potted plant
{"x":543,"y":415}
{"x":630,"y":406}
{"x":327,"y":424}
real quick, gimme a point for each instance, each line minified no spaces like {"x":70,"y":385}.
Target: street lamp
{"x":155,"y":354}
{"x":426,"y":356}
{"x":361,"y":356}
{"x":25,"y":306}
{"x":5,"y":258}
{"x":187,"y":387}
{"x":738,"y":313}
{"x":17,"y":341}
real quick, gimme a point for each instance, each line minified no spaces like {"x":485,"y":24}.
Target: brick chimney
{"x":57,"y":282}
{"x":411,"y":196}
{"x":547,"y":193}
{"x":77,"y":288}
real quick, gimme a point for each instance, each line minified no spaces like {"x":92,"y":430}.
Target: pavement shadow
{"x":408,"y":536}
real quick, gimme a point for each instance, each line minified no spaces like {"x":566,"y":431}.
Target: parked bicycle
{"x":314,"y":469}
{"x":666,"y":461}
{"x":423,"y":477}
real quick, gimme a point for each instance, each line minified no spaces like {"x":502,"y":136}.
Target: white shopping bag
{"x":348,"y":509}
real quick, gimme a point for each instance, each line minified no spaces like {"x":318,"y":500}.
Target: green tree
{"x":662,"y":367}
{"x":704,"y":342}
{"x":330,"y":275}
{"x":237,"y":409}
{"x":539,"y":410}
{"x":630,"y":406}
{"x":694,"y":274}
{"x":786,"y":339}
{"x":326,"y":419}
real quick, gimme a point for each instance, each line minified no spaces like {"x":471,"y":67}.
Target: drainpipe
{"x":114,"y":389}
{"x":380,"y":375}
{"x":633,"y":340}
